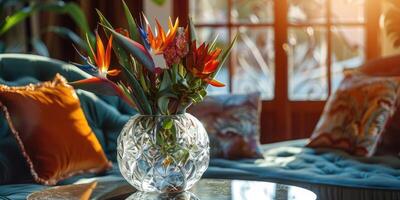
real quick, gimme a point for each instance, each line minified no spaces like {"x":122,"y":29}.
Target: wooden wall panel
{"x":268,"y":127}
{"x":303,"y":117}
{"x":304,"y":123}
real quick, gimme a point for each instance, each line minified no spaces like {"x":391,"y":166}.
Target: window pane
{"x":208,"y":35}
{"x":253,"y":11}
{"x":348,"y":10}
{"x":209,"y":11}
{"x":307,"y":11}
{"x":307,"y":52}
{"x":254,"y":62}
{"x":348,"y":46}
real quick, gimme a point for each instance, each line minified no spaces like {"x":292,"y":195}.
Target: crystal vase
{"x":165,"y":154}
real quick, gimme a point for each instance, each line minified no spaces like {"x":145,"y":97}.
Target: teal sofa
{"x":106,"y":116}
{"x":330,"y":174}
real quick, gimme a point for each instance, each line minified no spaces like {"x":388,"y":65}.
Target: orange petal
{"x":113,"y":72}
{"x":214,"y":83}
{"x":210,"y":67}
{"x":150,"y":36}
{"x":100,"y":52}
{"x":107,"y":57}
{"x":201,"y":47}
{"x":176,"y":25}
{"x":216,"y":53}
{"x":170,"y":26}
{"x":160,"y":32}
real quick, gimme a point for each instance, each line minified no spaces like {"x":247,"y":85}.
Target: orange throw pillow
{"x":52,"y":131}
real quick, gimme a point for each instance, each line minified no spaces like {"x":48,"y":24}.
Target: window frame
{"x":282,"y":118}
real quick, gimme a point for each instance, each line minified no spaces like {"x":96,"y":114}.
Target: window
{"x":321,"y":36}
{"x":252,"y":65}
{"x":324,"y":38}
{"x":292,"y":51}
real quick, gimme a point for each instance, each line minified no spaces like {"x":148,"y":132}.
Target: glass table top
{"x":215,"y":189}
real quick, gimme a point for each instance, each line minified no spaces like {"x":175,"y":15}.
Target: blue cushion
{"x":292,"y":162}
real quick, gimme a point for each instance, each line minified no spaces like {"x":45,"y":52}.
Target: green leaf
{"x":123,"y":58}
{"x":162,"y":104}
{"x":183,"y":156}
{"x":135,"y":49}
{"x":203,"y":92}
{"x":224,"y":56}
{"x":197,"y":83}
{"x":39,"y":47}
{"x":192,"y":35}
{"x":138,"y":91}
{"x":16,"y":18}
{"x":101,"y":86}
{"x":182,"y":71}
{"x":192,"y":31}
{"x":213,"y":44}
{"x":160,"y":140}
{"x":129,"y":95}
{"x":198,"y":96}
{"x":76,"y":13}
{"x":174,"y":130}
{"x":159,"y":2}
{"x":72,"y":9}
{"x":142,"y":80}
{"x":96,"y":85}
{"x":89,"y":47}
{"x":168,"y":123}
{"x":104,"y":21}
{"x":165,"y":82}
{"x":184,"y":83}
{"x":174,"y":74}
{"x":68,"y":33}
{"x":133,"y":31}
{"x":163,"y":101}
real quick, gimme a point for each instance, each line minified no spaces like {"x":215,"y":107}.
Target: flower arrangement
{"x":159,"y":73}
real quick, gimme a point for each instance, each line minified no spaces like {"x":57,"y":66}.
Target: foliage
{"x":159,"y":2}
{"x":164,"y":72}
{"x":70,"y":9}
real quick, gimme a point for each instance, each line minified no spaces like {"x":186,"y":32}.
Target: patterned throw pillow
{"x":51,"y":130}
{"x":232,"y":123}
{"x":356,"y":115}
{"x":389,"y":143}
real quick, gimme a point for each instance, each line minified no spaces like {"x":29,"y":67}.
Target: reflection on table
{"x":205,"y":189}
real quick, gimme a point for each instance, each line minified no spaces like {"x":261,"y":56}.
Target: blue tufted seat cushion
{"x":330,"y":174}
{"x":292,"y":162}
